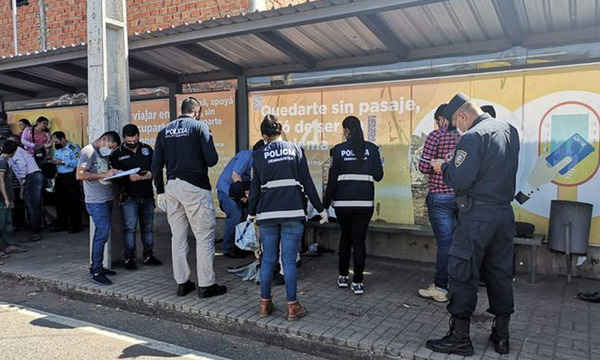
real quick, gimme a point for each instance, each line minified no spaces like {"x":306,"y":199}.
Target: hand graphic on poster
{"x":541,"y":174}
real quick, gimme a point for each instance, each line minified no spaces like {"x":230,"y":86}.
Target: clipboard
{"x":123,"y":173}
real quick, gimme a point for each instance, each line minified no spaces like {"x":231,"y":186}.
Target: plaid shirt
{"x":437,"y":146}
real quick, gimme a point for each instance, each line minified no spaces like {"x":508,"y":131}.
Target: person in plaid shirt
{"x":441,"y":202}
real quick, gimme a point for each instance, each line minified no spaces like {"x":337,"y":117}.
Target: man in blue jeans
{"x":137,"y":197}
{"x":237,"y":170}
{"x":441,"y":202}
{"x":92,"y":169}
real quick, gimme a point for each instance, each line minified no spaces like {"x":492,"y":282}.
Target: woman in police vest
{"x":355,"y":166}
{"x":280,"y":184}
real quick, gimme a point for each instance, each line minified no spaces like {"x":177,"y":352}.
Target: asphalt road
{"x":35,"y":324}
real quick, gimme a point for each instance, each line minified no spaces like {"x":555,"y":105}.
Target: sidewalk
{"x":389,"y":321}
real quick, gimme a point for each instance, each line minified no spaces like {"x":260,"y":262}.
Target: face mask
{"x":132,"y":146}
{"x":58,"y":146}
{"x":105,"y":151}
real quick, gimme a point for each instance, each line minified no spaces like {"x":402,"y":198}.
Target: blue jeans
{"x":234,"y":217}
{"x":100,"y":213}
{"x":133,"y":209}
{"x":442,"y":211}
{"x":32,"y":193}
{"x":290,"y":235}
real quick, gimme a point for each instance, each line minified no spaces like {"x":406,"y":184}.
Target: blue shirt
{"x":241,"y":164}
{"x":68,"y":155}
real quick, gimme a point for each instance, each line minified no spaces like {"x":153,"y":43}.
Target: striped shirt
{"x":438,"y":145}
{"x":23,"y":164}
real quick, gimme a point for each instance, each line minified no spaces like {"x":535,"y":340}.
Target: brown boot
{"x":295,"y":310}
{"x":266,"y":307}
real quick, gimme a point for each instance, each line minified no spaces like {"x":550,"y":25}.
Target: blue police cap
{"x":457,"y":101}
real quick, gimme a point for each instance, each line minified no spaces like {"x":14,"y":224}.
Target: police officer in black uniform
{"x":137,"y":198}
{"x":483,"y":174}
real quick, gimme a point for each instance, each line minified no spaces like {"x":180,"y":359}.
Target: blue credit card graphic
{"x":576,"y":147}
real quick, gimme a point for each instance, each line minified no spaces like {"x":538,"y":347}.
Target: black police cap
{"x":457,"y":101}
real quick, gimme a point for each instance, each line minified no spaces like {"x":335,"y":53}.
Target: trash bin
{"x":570,"y":222}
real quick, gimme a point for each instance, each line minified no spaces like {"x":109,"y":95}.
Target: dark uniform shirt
{"x":125,"y":159}
{"x":485,"y":162}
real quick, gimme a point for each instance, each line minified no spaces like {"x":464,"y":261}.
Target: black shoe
{"x":101,"y":279}
{"x":235,"y":255}
{"x":151,"y":260}
{"x":590,"y":297}
{"x":130,"y":265}
{"x":210,"y":291}
{"x":457,"y":340}
{"x":278,"y":280}
{"x":104,"y":271}
{"x":499,"y":335}
{"x":185,"y":288}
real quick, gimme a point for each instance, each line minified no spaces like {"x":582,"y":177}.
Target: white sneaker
{"x":358,"y":288}
{"x":342,"y":281}
{"x":435,"y":293}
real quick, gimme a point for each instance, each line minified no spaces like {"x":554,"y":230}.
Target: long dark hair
{"x":356,"y":138}
{"x":270,"y":126}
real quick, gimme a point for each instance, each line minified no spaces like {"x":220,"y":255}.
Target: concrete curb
{"x":266,"y":330}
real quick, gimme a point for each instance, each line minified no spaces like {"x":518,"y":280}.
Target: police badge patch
{"x":145,"y":152}
{"x":460,"y":157}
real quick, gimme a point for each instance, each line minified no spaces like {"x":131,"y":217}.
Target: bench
{"x":425,"y":230}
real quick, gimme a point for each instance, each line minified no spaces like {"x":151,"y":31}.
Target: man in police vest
{"x":483,"y":174}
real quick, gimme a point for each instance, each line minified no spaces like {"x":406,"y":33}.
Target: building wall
{"x":66,"y":19}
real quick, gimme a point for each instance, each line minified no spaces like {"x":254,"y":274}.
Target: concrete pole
{"x":108,"y":85}
{"x":15,"y":31}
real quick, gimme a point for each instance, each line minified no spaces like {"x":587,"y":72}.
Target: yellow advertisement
{"x":218,"y":112}
{"x":556,"y":111}
{"x":150,"y":116}
{"x":73,"y":121}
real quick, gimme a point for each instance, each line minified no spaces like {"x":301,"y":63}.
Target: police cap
{"x":457,"y":101}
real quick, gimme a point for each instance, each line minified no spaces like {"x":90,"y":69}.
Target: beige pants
{"x":190,"y":205}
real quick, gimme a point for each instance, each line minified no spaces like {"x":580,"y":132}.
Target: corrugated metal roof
{"x":320,"y":35}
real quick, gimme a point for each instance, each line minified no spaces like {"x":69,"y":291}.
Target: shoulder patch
{"x":459,"y":158}
{"x":145,"y":151}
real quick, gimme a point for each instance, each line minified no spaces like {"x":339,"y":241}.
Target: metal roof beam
{"x":71,"y":69}
{"x":201,"y":77}
{"x":18,"y":91}
{"x":279,"y":42}
{"x":211,"y":57}
{"x":376,"y":25}
{"x":41,"y":81}
{"x":42,"y":59}
{"x":510,"y":21}
{"x":317,"y":15}
{"x":152,"y":70}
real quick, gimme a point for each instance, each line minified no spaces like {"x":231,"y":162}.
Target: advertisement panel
{"x":556,"y":112}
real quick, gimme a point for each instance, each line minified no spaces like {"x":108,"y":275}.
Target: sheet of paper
{"x":123,"y":173}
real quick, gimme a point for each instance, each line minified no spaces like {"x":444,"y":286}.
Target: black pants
{"x":68,"y":202}
{"x":483,"y":239}
{"x":353,"y":225}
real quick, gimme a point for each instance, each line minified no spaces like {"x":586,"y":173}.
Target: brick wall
{"x":66,"y":19}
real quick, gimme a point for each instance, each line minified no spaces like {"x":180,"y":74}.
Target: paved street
{"x":390,"y":320}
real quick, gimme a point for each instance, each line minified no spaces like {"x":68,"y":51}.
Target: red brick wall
{"x":66,"y":19}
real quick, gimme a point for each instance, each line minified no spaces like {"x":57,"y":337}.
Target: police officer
{"x":137,"y":198}
{"x":66,"y":188}
{"x":483,"y":174}
{"x":355,"y":166}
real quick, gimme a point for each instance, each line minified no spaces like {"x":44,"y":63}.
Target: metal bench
{"x":425,"y":230}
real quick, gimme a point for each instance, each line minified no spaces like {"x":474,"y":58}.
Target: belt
{"x":35,"y":172}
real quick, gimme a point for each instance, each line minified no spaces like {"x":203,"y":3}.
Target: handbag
{"x":245,"y":236}
{"x":38,"y":154}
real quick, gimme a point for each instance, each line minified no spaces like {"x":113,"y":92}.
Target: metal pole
{"x":14,"y":14}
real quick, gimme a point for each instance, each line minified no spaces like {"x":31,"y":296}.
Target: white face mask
{"x":104,"y":151}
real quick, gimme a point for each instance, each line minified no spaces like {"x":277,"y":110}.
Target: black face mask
{"x":132,"y":146}
{"x":58,"y":146}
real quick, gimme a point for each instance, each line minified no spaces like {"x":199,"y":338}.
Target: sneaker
{"x":101,"y":279}
{"x":343,"y":282}
{"x":185,"y":288}
{"x":151,"y":260}
{"x":130,"y":265}
{"x":358,"y":288}
{"x":210,"y":291}
{"x":104,"y":271}
{"x":435,"y":293}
